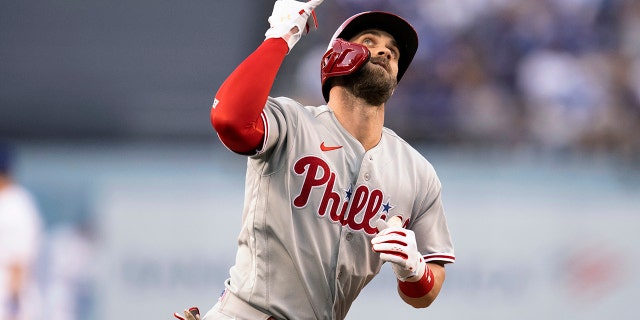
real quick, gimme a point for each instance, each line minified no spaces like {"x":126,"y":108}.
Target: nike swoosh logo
{"x":328,"y":148}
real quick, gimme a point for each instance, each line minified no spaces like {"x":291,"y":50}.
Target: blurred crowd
{"x":556,"y":75}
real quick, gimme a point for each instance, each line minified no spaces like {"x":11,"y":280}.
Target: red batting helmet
{"x":343,"y":57}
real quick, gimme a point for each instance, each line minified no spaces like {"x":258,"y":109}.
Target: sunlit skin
{"x":383,"y":48}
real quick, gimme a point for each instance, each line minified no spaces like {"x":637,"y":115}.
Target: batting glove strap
{"x":407,"y":274}
{"x":419,"y":288}
{"x":288,"y":15}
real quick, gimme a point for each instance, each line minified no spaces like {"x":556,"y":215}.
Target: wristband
{"x":419,"y":288}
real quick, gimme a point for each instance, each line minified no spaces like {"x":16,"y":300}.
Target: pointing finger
{"x":314,"y":3}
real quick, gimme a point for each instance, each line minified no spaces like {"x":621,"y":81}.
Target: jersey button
{"x":349,"y":236}
{"x":367,"y":176}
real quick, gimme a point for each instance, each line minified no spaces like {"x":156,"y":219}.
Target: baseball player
{"x":331,"y":194}
{"x":21,"y":229}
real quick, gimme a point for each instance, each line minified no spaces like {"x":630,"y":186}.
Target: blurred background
{"x":529,"y":111}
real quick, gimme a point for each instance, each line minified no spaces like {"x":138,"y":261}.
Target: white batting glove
{"x":291,"y":19}
{"x":398,"y":246}
{"x":192,"y":313}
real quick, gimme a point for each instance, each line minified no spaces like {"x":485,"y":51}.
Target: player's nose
{"x":383,"y":51}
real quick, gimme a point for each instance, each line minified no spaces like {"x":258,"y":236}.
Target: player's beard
{"x":371,"y":83}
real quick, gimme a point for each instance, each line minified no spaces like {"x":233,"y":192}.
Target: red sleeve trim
{"x":446,"y":258}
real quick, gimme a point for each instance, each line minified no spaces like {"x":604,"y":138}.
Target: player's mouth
{"x":382,"y":63}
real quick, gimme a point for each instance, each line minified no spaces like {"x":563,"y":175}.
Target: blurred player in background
{"x":331,"y":194}
{"x":20,"y":232}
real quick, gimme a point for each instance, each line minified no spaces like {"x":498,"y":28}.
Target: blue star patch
{"x":386,"y":207}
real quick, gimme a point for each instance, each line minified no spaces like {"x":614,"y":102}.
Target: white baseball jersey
{"x":312,"y":197}
{"x":20,"y":231}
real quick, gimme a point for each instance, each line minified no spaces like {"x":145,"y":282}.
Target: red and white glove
{"x":192,"y":313}
{"x":291,"y":19}
{"x":398,"y":246}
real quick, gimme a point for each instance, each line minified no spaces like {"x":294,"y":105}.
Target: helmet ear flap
{"x":341,"y":59}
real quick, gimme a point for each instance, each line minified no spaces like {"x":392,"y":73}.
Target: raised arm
{"x":236,"y":114}
{"x":237,"y":108}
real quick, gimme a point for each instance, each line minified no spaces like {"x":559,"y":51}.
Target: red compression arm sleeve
{"x":236,"y":113}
